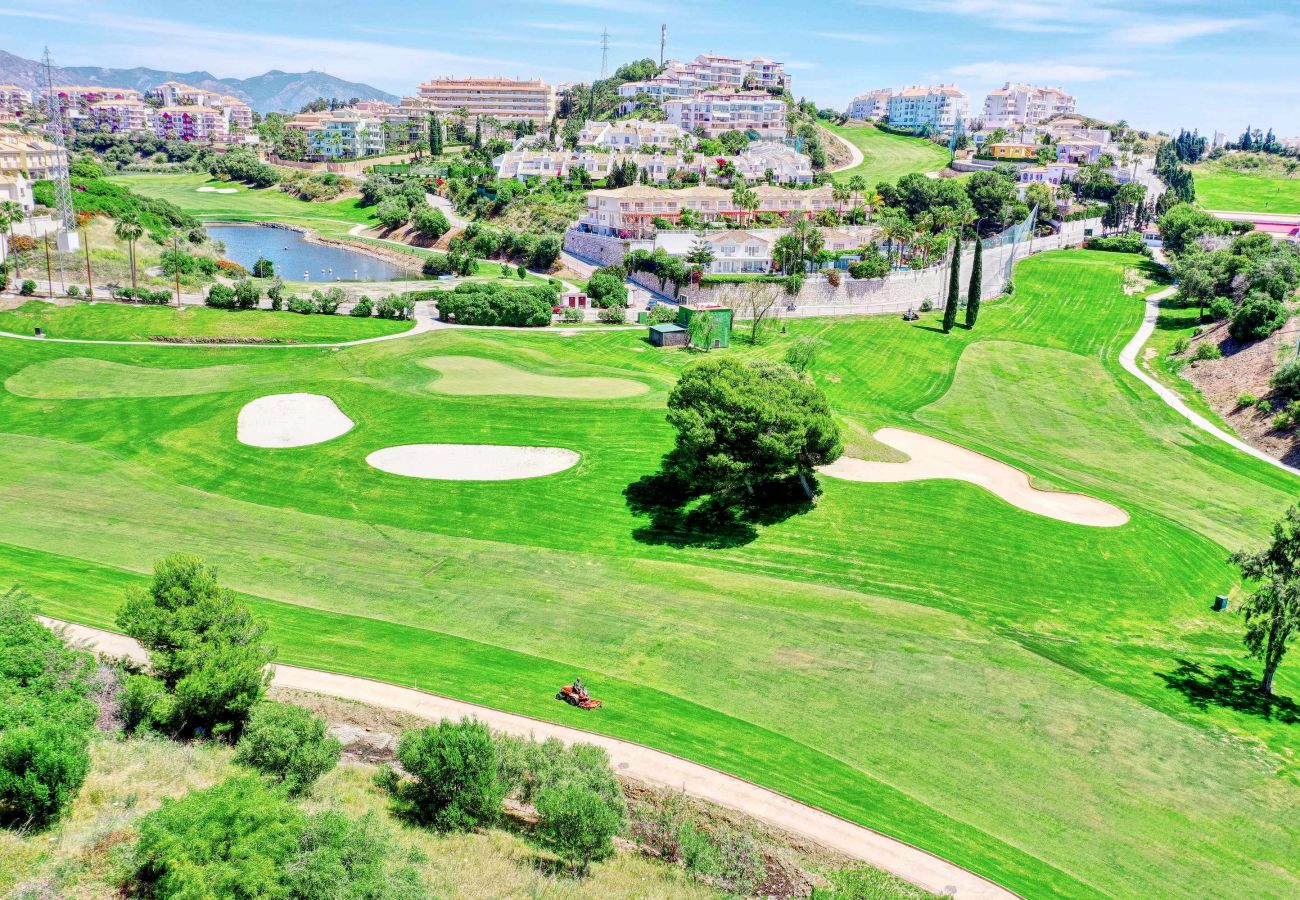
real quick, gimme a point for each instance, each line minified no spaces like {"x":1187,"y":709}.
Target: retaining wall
{"x":608,"y":251}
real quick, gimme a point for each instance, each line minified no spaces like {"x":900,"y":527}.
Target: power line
{"x":604,"y":54}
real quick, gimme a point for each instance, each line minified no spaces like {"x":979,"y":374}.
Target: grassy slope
{"x":887,"y":157}
{"x":1013,"y":689}
{"x":1218,"y":187}
{"x":120,"y":322}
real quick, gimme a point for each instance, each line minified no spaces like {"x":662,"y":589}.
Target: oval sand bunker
{"x":933,"y":458}
{"x":472,"y":462}
{"x":290,"y":420}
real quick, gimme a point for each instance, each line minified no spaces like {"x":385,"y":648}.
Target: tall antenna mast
{"x":67,"y":239}
{"x":604,"y":54}
{"x":663,"y":42}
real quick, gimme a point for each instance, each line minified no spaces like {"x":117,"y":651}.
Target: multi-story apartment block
{"x":630,"y":134}
{"x":708,"y":72}
{"x":1024,"y":104}
{"x":500,"y":98}
{"x":75,"y":101}
{"x":766,"y":74}
{"x":190,"y":123}
{"x":660,"y":89}
{"x":120,"y":116}
{"x":871,"y":105}
{"x":786,"y":165}
{"x":239,"y":117}
{"x":626,"y":211}
{"x":14,"y":98}
{"x":347,"y":134}
{"x":23,"y":154}
{"x":714,"y":112}
{"x":927,"y":108}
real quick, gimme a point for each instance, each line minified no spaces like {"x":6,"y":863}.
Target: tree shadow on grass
{"x":1231,"y":687}
{"x":680,"y":517}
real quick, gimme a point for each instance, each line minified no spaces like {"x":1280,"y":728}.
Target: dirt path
{"x":853,"y":151}
{"x":652,"y":766}
{"x":1128,"y":359}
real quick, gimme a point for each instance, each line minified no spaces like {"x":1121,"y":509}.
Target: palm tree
{"x":11,"y":214}
{"x":744,"y":199}
{"x":840,"y":192}
{"x":128,"y":229}
{"x":897,"y":227}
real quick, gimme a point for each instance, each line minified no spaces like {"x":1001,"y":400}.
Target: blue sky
{"x":1160,"y":64}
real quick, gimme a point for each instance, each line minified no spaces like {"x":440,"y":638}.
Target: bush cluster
{"x":538,"y":251}
{"x":606,"y":287}
{"x":491,"y":303}
{"x":143,"y":295}
{"x":289,"y":745}
{"x":244,"y":295}
{"x":1130,"y":242}
{"x":666,"y":827}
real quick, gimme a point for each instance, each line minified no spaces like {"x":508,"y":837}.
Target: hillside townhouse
{"x":630,"y":134}
{"x":714,"y":112}
{"x":190,"y":123}
{"x":504,"y":99}
{"x":871,"y":105}
{"x":74,"y":101}
{"x":1075,"y":150}
{"x":927,"y":108}
{"x":23,"y":154}
{"x":120,"y":116}
{"x":708,"y":72}
{"x":239,"y":116}
{"x":786,"y":165}
{"x":13,"y":98}
{"x":1054,"y":174}
{"x":16,"y":188}
{"x":1009,"y":150}
{"x":624,"y":212}
{"x":1024,"y":104}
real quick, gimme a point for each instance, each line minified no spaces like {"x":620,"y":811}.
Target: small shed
{"x":668,"y":335}
{"x":574,"y":300}
{"x":721,"y":321}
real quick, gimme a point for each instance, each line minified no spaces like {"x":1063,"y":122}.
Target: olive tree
{"x":1272,"y":611}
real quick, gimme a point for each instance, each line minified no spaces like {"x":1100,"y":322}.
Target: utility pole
{"x":604,"y":54}
{"x":49,"y":271}
{"x":85,"y":243}
{"x":176,"y":266}
{"x":663,"y":42}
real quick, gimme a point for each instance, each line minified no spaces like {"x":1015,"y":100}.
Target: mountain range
{"x":273,"y":91}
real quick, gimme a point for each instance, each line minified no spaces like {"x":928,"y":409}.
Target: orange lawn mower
{"x":576,"y":695}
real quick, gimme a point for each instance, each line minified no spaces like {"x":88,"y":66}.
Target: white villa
{"x":749,"y":251}
{"x":1024,"y":104}
{"x":630,"y":134}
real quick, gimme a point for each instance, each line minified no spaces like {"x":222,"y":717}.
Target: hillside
{"x":272,"y":91}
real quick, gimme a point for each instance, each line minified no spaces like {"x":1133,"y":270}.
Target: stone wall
{"x":608,"y":251}
{"x":898,"y":291}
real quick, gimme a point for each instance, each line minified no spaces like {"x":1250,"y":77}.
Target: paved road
{"x":1128,"y":359}
{"x":633,"y":760}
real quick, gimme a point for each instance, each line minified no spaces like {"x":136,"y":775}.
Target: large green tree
{"x":1272,"y":611}
{"x":456,"y":782}
{"x":742,"y":423}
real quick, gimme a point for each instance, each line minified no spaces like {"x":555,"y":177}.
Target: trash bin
{"x":1220,"y":603}
{"x":39,"y":333}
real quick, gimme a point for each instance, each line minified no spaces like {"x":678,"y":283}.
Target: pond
{"x":297,"y":259}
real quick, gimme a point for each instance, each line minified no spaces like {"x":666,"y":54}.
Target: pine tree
{"x":976,"y":286}
{"x":954,"y":287}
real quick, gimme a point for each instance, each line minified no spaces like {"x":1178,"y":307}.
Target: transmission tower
{"x":663,"y":42}
{"x":59,"y":174}
{"x":604,"y":54}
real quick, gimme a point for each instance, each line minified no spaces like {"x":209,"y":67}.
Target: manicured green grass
{"x":1218,"y":187}
{"x":124,"y":322}
{"x":247,"y":204}
{"x":924,"y":658}
{"x":887,"y":157}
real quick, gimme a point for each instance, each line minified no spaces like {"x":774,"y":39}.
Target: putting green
{"x":920,"y":657}
{"x":474,"y":376}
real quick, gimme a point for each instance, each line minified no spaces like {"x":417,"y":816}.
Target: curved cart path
{"x":653,"y":766}
{"x":857,"y":157}
{"x":1128,"y":359}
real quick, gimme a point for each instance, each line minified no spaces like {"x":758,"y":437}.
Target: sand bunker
{"x":290,"y":420}
{"x":933,"y":458}
{"x":472,"y":462}
{"x":474,"y":376}
{"x":212,"y":190}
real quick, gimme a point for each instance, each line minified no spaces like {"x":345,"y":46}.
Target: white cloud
{"x":1045,"y":72}
{"x":1175,"y":31}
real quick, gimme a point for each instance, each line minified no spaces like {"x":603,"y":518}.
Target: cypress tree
{"x":954,"y":287}
{"x":478,"y":133}
{"x":976,"y":285}
{"x":435,"y":135}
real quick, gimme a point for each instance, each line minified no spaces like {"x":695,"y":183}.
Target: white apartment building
{"x":786,"y":164}
{"x":239,"y":116}
{"x":749,"y":251}
{"x":120,"y":116}
{"x":190,"y":123}
{"x":630,"y":134}
{"x":22,"y":154}
{"x":1024,"y":104}
{"x":17,"y":189}
{"x":929,"y":107}
{"x":74,"y":101}
{"x":500,"y":98}
{"x":871,"y":105}
{"x":714,"y":112}
{"x":708,"y":72}
{"x":14,"y":98}
{"x":346,"y":134}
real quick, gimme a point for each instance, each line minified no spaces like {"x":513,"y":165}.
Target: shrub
{"x":605,"y":290}
{"x":577,"y":824}
{"x":247,"y":294}
{"x":204,"y":645}
{"x":1286,"y":380}
{"x":1246,"y":400}
{"x":1131,"y":242}
{"x":395,"y":306}
{"x":494,"y":304}
{"x":1256,"y":318}
{"x":362,"y":308}
{"x":455,"y":782}
{"x":437,"y":265}
{"x":614,"y":315}
{"x":872,"y":265}
{"x":662,"y":314}
{"x":1207,"y":351}
{"x":74,"y":291}
{"x":1282,"y":421}
{"x":927,"y":305}
{"x":1264,"y":405}
{"x":430,"y":222}
{"x":833,"y":278}
{"x":571,"y":314}
{"x":1219,"y":309}
{"x":327,"y":303}
{"x":27,"y":288}
{"x":300,"y":305}
{"x":220,"y":297}
{"x":288,"y":744}
{"x":275,"y":293}
{"x":42,"y":767}
{"x":393,"y":212}
{"x":1180,"y":345}
{"x":521,"y":272}
{"x":545,"y":252}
